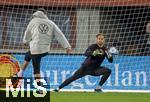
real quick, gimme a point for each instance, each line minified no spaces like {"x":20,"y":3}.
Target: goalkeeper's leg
{"x":105,"y":72}
{"x":78,"y":74}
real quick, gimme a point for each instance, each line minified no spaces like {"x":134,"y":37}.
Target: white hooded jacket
{"x":39,"y":32}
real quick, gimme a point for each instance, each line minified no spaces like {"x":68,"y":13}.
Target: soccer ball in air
{"x":113,"y":51}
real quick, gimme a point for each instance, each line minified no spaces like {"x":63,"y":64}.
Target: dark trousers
{"x":83,"y":71}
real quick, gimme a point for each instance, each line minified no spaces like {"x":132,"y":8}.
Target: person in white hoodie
{"x":38,"y":35}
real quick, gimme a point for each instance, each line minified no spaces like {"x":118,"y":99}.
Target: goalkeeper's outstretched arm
{"x":109,"y":56}
{"x":112,"y":51}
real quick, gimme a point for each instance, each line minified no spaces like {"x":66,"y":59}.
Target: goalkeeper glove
{"x":113,"y":51}
{"x":109,"y":57}
{"x":97,"y":52}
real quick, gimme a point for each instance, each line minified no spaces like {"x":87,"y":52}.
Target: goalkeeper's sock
{"x":99,"y":87}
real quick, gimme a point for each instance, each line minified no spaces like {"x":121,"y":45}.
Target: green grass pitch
{"x":99,"y":97}
{"x":83,"y":97}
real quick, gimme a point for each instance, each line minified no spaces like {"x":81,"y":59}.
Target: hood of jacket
{"x":40,"y":14}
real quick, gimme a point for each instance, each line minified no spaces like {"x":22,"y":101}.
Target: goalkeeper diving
{"x":95,"y":55}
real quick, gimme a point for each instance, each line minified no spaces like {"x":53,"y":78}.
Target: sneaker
{"x":56,"y":90}
{"x":98,"y":89}
{"x":15,"y":80}
{"x":40,"y":91}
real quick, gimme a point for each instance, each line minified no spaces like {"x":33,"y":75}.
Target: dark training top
{"x":95,"y":61}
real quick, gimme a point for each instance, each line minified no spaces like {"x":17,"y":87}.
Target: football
{"x":113,"y":51}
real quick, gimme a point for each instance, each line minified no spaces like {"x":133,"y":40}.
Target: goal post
{"x":125,"y":24}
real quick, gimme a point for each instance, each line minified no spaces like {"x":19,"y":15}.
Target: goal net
{"x":125,"y":24}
